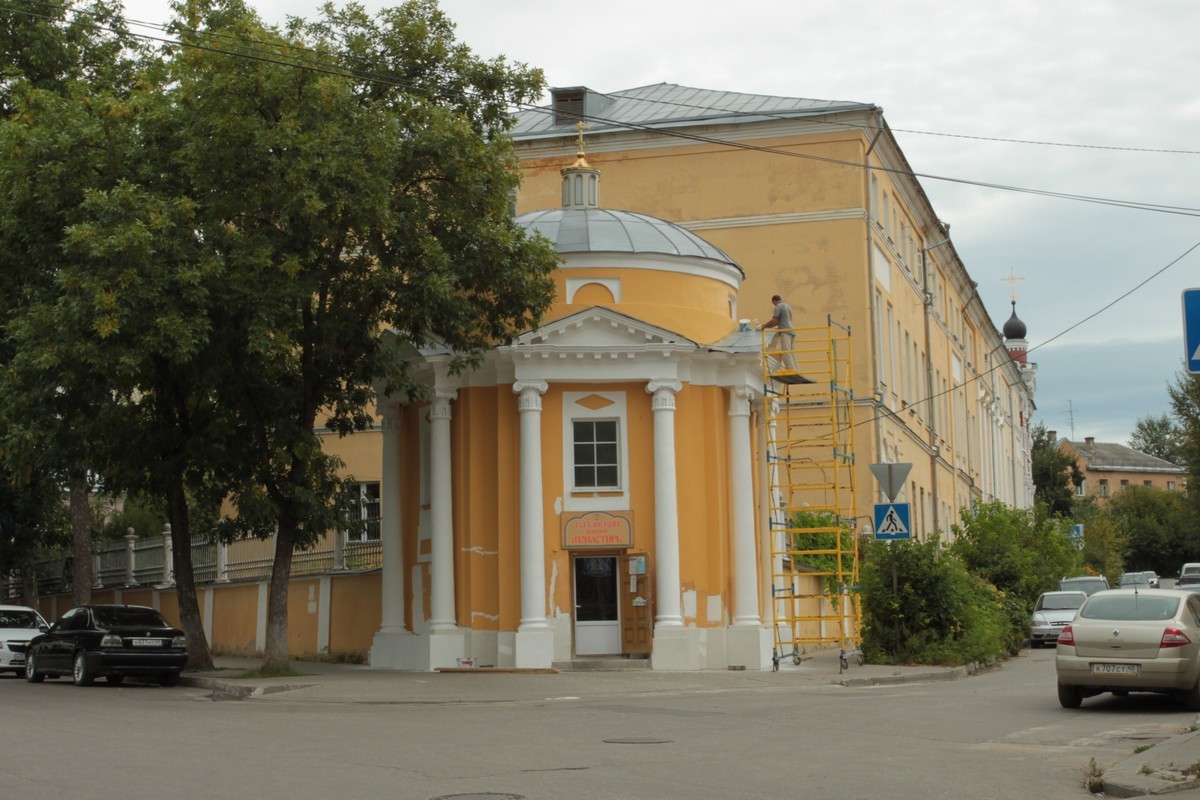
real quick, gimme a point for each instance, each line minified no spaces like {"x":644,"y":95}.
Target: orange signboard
{"x":598,"y":529}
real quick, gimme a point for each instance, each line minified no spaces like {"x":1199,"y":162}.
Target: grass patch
{"x":1093,"y":778}
{"x":333,"y":658}
{"x":1142,"y":748}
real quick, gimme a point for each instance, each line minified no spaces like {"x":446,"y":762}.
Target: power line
{"x":253,"y":53}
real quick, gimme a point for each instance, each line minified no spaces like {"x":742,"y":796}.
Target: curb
{"x":1165,"y":768}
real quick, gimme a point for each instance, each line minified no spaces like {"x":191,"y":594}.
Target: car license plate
{"x":147,"y":642}
{"x":1129,"y":670}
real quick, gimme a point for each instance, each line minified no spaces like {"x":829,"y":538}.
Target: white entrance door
{"x":597,"y":613}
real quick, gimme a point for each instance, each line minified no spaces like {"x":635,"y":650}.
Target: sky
{"x":1093,"y":99}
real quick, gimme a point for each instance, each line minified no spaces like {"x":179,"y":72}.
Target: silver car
{"x":1132,"y":640}
{"x":18,"y":624}
{"x":1051,"y":613}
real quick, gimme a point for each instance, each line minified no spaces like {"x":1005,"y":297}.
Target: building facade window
{"x":1103,"y":488}
{"x":1170,"y":486}
{"x":362,"y":512}
{"x":596,"y":452}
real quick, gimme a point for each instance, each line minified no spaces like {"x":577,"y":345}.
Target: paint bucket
{"x":743,"y":325}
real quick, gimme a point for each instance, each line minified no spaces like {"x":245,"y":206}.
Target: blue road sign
{"x":1191,"y":329}
{"x":892,"y":521}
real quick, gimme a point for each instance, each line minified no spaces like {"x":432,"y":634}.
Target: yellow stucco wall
{"x":354,"y":612}
{"x":235,"y":619}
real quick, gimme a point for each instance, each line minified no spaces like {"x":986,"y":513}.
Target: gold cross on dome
{"x":581,"y":127}
{"x":1012,"y":283}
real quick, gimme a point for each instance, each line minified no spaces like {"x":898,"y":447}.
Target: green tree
{"x":1056,"y":475}
{"x":1158,"y":529}
{"x":1021,"y":552}
{"x":50,"y":59}
{"x":1185,"y":404}
{"x":371,"y":195}
{"x":1157,"y":436}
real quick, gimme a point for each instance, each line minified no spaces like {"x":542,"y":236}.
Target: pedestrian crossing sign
{"x":892,"y":521}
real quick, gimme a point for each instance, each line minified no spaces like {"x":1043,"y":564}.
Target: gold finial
{"x":1012,"y":283}
{"x":581,"y":127}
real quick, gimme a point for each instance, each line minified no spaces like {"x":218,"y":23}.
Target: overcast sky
{"x":1096,"y":99}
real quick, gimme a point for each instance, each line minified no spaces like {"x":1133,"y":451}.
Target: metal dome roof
{"x":600,"y":230}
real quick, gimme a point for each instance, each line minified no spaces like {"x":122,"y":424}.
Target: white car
{"x":18,"y":624}
{"x":1053,"y":612}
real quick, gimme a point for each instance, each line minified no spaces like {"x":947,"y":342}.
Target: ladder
{"x":809,"y":417}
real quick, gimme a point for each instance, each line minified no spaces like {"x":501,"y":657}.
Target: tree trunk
{"x":81,"y":529}
{"x":29,"y":590}
{"x":275,"y":656}
{"x":199,"y":655}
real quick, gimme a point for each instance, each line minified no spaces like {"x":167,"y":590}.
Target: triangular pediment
{"x":601,"y":328}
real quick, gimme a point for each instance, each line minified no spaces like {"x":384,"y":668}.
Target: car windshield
{"x":128,"y":617}
{"x":16,"y":618}
{"x":1190,"y":571}
{"x":1137,"y":578}
{"x":1060,"y":602}
{"x":1130,"y":607}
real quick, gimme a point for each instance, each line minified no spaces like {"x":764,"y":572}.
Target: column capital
{"x":740,"y":399}
{"x":389,"y":414}
{"x":439,"y":407}
{"x":529,"y":394}
{"x":664,"y":392}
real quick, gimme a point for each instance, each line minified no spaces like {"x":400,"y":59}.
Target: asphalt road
{"x":998,"y":734}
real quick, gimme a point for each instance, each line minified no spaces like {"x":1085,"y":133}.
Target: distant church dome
{"x":1014,"y":328}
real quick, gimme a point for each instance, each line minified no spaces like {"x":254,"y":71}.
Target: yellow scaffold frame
{"x":809,"y":416}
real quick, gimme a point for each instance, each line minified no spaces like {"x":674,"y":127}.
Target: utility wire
{"x":321,"y":67}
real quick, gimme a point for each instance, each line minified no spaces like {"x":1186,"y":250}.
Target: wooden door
{"x":637,"y":603}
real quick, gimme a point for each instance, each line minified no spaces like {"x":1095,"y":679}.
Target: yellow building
{"x":818,"y":204}
{"x":606,"y":485}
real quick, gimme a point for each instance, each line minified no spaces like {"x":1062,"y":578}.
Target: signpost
{"x":1191,"y":330}
{"x":892,"y":519}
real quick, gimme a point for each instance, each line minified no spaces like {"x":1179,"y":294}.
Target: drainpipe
{"x":872,"y":311}
{"x":930,"y":388}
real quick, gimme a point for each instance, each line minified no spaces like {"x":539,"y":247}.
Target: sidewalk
{"x":354,"y":683}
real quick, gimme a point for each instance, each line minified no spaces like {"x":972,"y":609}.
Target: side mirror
{"x":43,"y":628}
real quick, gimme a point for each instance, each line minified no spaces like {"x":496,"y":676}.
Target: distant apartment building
{"x":1110,"y":468}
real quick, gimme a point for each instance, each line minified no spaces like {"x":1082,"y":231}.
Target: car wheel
{"x":168,"y":679}
{"x":31,"y":673}
{"x":114,"y":680}
{"x":82,"y":675}
{"x":1069,"y":696}
{"x":1191,"y":698}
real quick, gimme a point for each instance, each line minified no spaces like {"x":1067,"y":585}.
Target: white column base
{"x":749,"y":647}
{"x":396,"y":650}
{"x":676,"y":649}
{"x":409,"y":651}
{"x":534,"y":649}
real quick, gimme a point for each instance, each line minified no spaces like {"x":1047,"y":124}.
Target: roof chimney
{"x":1089,"y":440}
{"x":1053,"y":436}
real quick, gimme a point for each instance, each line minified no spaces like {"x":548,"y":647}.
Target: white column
{"x":442,"y":613}
{"x":745,"y":575}
{"x":392,"y":577}
{"x":666,"y":505}
{"x":533,"y":536}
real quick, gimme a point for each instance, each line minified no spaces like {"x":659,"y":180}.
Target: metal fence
{"x":147,"y":561}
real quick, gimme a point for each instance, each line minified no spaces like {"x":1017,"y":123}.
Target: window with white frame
{"x":596,"y":452}
{"x":362,"y":512}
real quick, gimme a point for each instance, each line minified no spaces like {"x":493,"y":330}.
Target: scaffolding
{"x":809,"y":417}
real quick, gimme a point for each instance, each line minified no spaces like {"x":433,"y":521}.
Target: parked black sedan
{"x":111,"y":641}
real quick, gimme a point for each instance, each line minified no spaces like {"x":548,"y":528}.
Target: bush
{"x":922,"y":606}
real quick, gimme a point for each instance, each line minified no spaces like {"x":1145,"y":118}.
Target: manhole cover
{"x":637,"y":740}
{"x":480,"y":796}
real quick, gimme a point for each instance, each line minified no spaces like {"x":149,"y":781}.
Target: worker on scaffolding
{"x":785,"y":338}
